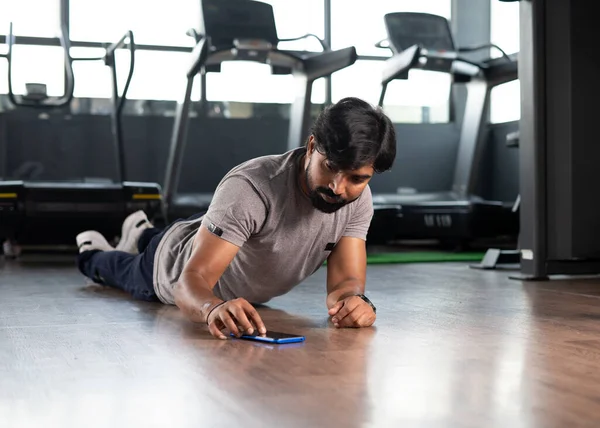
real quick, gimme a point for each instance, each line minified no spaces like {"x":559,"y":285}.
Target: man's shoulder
{"x":266,"y":168}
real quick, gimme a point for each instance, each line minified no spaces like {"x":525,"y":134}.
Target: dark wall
{"x":424,"y":160}
{"x":58,"y":147}
{"x":216,"y":145}
{"x":61,"y":147}
{"x":71,"y":147}
{"x":3,"y":148}
{"x":500,"y":170}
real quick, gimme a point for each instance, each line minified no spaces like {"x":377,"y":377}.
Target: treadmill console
{"x":430,"y":32}
{"x":229,"y":22}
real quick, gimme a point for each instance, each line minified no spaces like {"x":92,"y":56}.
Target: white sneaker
{"x":132,"y":229}
{"x":11,"y":249}
{"x":92,"y":240}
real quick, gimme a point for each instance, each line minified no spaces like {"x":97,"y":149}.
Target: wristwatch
{"x":366,"y":299}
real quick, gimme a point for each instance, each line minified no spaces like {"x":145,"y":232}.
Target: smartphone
{"x":272,"y":337}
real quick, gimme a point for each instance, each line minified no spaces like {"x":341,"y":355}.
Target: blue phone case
{"x":278,"y":340}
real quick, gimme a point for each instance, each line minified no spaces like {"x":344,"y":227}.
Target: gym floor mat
{"x":423,"y":257}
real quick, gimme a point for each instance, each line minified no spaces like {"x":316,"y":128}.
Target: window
{"x":165,"y":23}
{"x":36,"y":64}
{"x":254,"y":83}
{"x":161,"y":75}
{"x":295,"y":18}
{"x":505,"y":100}
{"x":153,"y":22}
{"x":505,"y":26}
{"x":36,"y":18}
{"x":405,"y":100}
{"x":157,"y":75}
{"x":423,"y":97}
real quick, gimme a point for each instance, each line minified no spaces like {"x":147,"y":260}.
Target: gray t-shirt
{"x":260,"y":207}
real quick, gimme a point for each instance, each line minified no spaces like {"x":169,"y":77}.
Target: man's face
{"x":329,"y":188}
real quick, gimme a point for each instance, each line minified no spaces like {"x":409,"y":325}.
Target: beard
{"x":315,"y":195}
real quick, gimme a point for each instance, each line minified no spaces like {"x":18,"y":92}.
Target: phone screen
{"x":273,"y":335}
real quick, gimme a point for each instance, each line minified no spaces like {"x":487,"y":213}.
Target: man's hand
{"x":230,"y":315}
{"x":352,"y":311}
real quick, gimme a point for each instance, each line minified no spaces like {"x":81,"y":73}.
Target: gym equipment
{"x":242,"y":30}
{"x":495,"y":258}
{"x":424,"y":41}
{"x":50,"y":214}
{"x":559,"y":155}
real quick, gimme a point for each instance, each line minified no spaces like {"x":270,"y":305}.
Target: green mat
{"x":422,"y":257}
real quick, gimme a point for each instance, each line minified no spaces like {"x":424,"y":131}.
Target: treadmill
{"x":47,"y":215}
{"x":459,"y":215}
{"x":244,"y":30}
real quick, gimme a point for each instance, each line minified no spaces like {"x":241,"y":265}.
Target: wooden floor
{"x":452,"y":347}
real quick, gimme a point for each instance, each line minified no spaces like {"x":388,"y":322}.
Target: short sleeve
{"x":236,"y":211}
{"x":360,"y":220}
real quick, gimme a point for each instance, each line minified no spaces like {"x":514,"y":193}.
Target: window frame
{"x":64,"y":6}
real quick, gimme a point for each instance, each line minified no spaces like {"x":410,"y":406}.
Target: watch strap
{"x":366,"y":299}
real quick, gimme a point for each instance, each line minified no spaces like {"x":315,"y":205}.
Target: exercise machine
{"x":242,"y":30}
{"x":44,"y":214}
{"x":497,"y":258}
{"x":558,"y":152}
{"x":558,"y":159}
{"x":424,"y":41}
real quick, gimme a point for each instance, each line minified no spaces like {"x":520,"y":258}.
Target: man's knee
{"x":84,"y":260}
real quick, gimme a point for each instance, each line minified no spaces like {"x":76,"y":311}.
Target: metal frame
{"x":119,"y":100}
{"x":55,"y":41}
{"x":552,"y":142}
{"x":179,"y":136}
{"x":473,"y":131}
{"x":327,"y":39}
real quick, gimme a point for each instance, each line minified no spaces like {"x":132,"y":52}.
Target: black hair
{"x":352,"y":134}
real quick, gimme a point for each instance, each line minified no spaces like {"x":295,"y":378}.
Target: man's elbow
{"x":182,"y":297}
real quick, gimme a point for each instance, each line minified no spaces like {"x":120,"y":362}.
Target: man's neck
{"x":302,"y":175}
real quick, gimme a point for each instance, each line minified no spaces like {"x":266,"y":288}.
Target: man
{"x":272,"y":222}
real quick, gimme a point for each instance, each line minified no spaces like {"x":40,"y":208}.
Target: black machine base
{"x":495,"y":258}
{"x":52,"y":214}
{"x":448,"y":221}
{"x":530,"y":278}
{"x":576,"y":267}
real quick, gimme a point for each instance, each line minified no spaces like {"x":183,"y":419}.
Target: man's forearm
{"x":348,"y":287}
{"x":194,"y":296}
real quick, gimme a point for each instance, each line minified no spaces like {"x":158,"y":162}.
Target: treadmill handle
{"x":199,"y":57}
{"x":110,"y":61}
{"x":110,"y":51}
{"x":326,"y":63}
{"x":322,"y":42}
{"x":194,"y":34}
{"x":397,"y":67}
